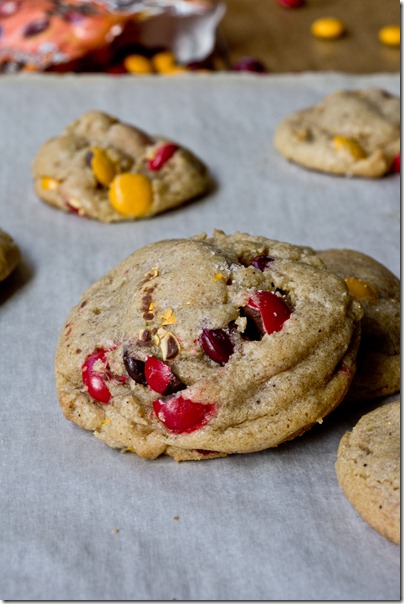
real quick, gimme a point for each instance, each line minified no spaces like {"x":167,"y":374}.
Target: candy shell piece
{"x":361,"y":290}
{"x":94,"y":379}
{"x":131,"y":194}
{"x":349,"y":144}
{"x":183,"y":415}
{"x":49,"y":184}
{"x":328,"y":28}
{"x":161,"y":157}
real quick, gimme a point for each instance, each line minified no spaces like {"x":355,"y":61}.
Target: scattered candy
{"x":183,"y":415}
{"x":261,"y":262}
{"x":160,"y":378}
{"x":94,"y":379}
{"x":292,"y":3}
{"x":396,"y":166}
{"x":217,"y":345}
{"x":161,"y":157}
{"x":361,"y":290}
{"x":102,"y":165}
{"x":273,"y":309}
{"x":354,"y":148}
{"x":328,"y":28}
{"x":164,"y":62}
{"x":390,"y":35}
{"x":137,"y":64}
{"x":249,"y":64}
{"x":131,"y":194}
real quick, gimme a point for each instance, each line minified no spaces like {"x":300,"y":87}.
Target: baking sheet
{"x":81,"y":521}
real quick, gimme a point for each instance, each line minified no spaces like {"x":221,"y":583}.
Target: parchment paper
{"x":81,"y":521}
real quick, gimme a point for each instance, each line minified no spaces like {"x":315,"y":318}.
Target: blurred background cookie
{"x":351,"y":133}
{"x":102,"y":168}
{"x":9,"y":254}
{"x":378,"y":291}
{"x":368,"y":469}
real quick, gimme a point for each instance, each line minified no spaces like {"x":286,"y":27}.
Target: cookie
{"x":352,"y":133}
{"x":202,"y":347}
{"x":368,"y":469}
{"x":378,"y":291}
{"x":9,"y":254}
{"x":105,"y":169}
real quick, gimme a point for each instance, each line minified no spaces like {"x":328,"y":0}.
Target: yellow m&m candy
{"x":354,"y":148}
{"x":138,"y":64}
{"x":390,"y":35}
{"x":102,"y":165}
{"x":361,"y":290}
{"x":131,"y":194}
{"x":164,"y":62}
{"x":49,"y":184}
{"x":328,"y":28}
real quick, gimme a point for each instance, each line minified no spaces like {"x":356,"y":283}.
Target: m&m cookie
{"x":102,"y":168}
{"x":203,"y":347}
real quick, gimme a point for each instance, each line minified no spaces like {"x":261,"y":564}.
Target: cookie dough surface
{"x":352,"y":133}
{"x":203,"y":347}
{"x":378,"y":291}
{"x":105,"y":169}
{"x":9,"y":254}
{"x":368,"y":469}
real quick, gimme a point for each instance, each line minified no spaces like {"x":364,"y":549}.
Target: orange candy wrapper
{"x":38,"y":35}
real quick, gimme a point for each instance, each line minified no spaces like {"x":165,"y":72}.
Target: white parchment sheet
{"x":81,"y":521}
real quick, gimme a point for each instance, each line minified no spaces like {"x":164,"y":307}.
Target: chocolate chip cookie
{"x":352,"y":133}
{"x":102,"y":168}
{"x":9,"y":254}
{"x":378,"y":291}
{"x":368,"y":469}
{"x":202,"y":347}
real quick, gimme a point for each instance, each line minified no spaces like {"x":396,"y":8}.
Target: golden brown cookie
{"x":368,"y":469}
{"x":203,"y":347}
{"x":353,"y":133}
{"x":378,"y":291}
{"x":103,"y":168}
{"x":9,"y":254}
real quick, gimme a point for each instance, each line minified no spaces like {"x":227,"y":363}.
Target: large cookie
{"x":9,"y":254}
{"x":105,"y":169}
{"x":202,"y":347}
{"x":354,"y":133}
{"x":378,"y":291}
{"x":368,"y":469}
